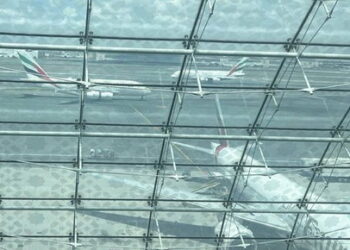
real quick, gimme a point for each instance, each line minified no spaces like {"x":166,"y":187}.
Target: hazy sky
{"x":238,"y":20}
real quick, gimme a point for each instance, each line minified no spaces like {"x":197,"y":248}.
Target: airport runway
{"x":298,"y":109}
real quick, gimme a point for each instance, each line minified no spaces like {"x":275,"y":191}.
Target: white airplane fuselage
{"x":277,"y":187}
{"x":206,"y":75}
{"x":116,"y":88}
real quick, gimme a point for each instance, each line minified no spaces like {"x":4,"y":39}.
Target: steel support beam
{"x":173,"y":237}
{"x":178,"y":200}
{"x":167,"y":131}
{"x":112,"y":164}
{"x":328,"y":87}
{"x":174,"y":136}
{"x":167,"y":39}
{"x":181,"y":210}
{"x":79,"y":158}
{"x":251,"y":132}
{"x":197,"y":52}
{"x":320,"y":162}
{"x":174,"y":126}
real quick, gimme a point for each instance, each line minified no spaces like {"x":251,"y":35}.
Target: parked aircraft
{"x":114,"y":89}
{"x":216,"y":75}
{"x":267,"y":184}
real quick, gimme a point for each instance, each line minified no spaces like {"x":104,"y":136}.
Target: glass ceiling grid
{"x":166,"y":144}
{"x":172,"y":189}
{"x":251,"y":131}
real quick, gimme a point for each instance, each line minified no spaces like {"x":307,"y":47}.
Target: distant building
{"x":13,"y":53}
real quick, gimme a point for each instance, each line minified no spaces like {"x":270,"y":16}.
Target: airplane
{"x":216,"y":75}
{"x":268,"y":184}
{"x":94,"y":91}
{"x":235,"y":228}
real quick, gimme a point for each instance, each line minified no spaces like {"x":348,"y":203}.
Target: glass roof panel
{"x":184,"y":224}
{"x":117,"y":183}
{"x":27,"y":16}
{"x":40,"y":182}
{"x":127,"y":86}
{"x":151,"y":69}
{"x":110,"y":223}
{"x":334,"y":30}
{"x":36,"y":223}
{"x":134,"y":150}
{"x":257,"y":20}
{"x":217,"y":71}
{"x":183,"y":243}
{"x":33,"y":243}
{"x":238,"y":109}
{"x":324,"y":110}
{"x":108,"y":242}
{"x":23,"y":91}
{"x":143,"y":19}
{"x":36,"y":148}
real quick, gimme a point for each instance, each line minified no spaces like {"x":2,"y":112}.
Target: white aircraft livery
{"x":115,"y":87}
{"x":215,"y":75}
{"x":268,"y":184}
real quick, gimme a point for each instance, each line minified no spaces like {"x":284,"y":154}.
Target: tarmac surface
{"x":23,"y":183}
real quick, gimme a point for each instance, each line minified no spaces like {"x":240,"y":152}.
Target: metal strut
{"x":251,"y":131}
{"x":304,"y":201}
{"x":166,"y":141}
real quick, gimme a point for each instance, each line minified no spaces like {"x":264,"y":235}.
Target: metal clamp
{"x":77,"y":125}
{"x":159,"y":166}
{"x":251,"y":129}
{"x":318,"y":168}
{"x":90,"y":39}
{"x":73,"y":200}
{"x":288,"y":47}
{"x":290,"y":239}
{"x":336,"y":130}
{"x":301,"y":203}
{"x":194,"y":42}
{"x":82,"y":37}
{"x":185,"y":41}
{"x":227,"y":204}
{"x":152,"y":202}
{"x":167,"y":129}
{"x":219,"y":240}
{"x":238,"y":167}
{"x":71,"y":237}
{"x":147,"y":239}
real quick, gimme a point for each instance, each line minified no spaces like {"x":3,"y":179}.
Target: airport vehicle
{"x":95,"y":89}
{"x":216,"y":75}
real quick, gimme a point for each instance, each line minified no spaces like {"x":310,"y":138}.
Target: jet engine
{"x":94,"y":94}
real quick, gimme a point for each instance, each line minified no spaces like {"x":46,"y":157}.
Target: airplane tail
{"x":238,"y":66}
{"x":32,"y":68}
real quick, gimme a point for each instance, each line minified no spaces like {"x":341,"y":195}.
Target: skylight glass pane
{"x":155,"y":130}
{"x":257,"y":20}
{"x":143,"y":19}
{"x":61,"y":17}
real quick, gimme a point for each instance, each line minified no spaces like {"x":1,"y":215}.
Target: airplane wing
{"x":114,"y":82}
{"x":270,"y":221}
{"x":201,"y":149}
